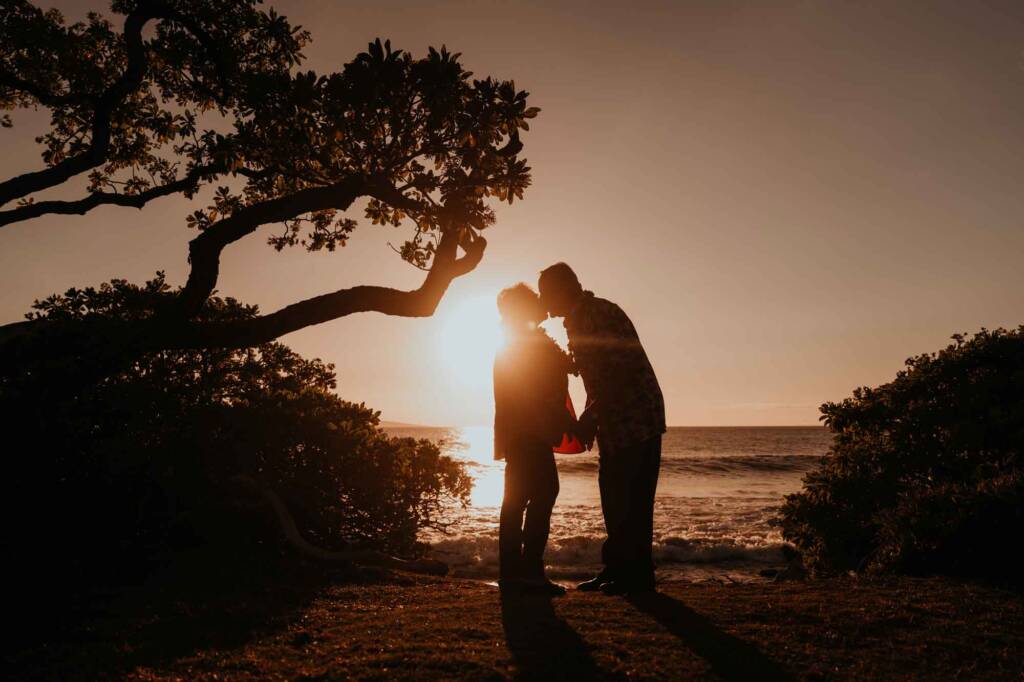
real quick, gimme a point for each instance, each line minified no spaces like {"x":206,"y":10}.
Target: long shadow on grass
{"x":729,"y":657}
{"x":543,"y":645}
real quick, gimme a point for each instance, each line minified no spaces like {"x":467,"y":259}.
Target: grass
{"x":267,"y":619}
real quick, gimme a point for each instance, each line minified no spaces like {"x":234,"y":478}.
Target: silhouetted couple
{"x":533,"y":419}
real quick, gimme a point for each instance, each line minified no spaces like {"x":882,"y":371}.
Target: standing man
{"x":626,"y":410}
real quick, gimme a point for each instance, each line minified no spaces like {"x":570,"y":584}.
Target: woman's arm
{"x":501,"y":417}
{"x":555,"y":392}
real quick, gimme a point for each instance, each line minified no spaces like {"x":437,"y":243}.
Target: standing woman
{"x":531,"y":419}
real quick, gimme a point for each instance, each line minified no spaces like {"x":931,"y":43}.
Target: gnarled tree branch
{"x":44,"y":96}
{"x":82,"y":206}
{"x":421,"y":302}
{"x":204,"y":251}
{"x":164,"y":333}
{"x":99,"y":144}
{"x":105,"y":103}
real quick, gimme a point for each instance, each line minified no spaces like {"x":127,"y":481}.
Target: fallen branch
{"x":364,"y":557}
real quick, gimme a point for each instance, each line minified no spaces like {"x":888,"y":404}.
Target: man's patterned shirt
{"x":616,"y":372}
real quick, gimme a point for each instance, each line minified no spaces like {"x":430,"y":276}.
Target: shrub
{"x":925,"y":472}
{"x":152,"y":455}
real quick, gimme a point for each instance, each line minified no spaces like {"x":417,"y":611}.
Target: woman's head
{"x":520,"y":308}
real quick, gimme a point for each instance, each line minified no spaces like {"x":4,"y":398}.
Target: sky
{"x":787,"y":198}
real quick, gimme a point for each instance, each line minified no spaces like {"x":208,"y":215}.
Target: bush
{"x":153,"y":455}
{"x":925,"y":472}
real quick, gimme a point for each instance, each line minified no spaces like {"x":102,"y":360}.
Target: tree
{"x":192,"y":93}
{"x":925,"y":473}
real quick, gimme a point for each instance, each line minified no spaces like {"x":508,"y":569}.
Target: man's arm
{"x":549,"y":395}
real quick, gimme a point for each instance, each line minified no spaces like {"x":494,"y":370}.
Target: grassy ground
{"x":301,"y":622}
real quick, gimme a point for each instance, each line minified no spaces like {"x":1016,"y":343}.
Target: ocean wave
{"x":685,"y":551}
{"x":725,"y":465}
{"x":577,"y":555}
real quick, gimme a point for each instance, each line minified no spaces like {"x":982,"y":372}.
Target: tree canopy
{"x":208,"y":94}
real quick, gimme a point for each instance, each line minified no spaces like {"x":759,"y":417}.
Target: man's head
{"x":559,"y":289}
{"x":520,"y":307}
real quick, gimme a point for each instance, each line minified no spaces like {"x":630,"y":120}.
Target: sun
{"x":469,"y":336}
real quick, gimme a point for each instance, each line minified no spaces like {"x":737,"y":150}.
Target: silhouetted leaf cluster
{"x":202,"y":57}
{"x":925,"y":473}
{"x":215,"y":92}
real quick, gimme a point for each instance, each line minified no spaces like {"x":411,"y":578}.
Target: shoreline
{"x":717,"y":494}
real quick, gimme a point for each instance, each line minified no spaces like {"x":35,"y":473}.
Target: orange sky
{"x":787,"y":200}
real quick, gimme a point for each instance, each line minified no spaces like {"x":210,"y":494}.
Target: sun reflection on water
{"x":475,"y":446}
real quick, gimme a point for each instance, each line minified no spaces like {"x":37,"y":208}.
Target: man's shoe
{"x":623,"y":587}
{"x":510,"y":585}
{"x":595,"y":583}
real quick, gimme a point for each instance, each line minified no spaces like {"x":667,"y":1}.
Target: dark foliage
{"x":925,"y":472}
{"x":158,"y":454}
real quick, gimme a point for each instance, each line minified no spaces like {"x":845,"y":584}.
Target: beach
{"x":718,"y":492}
{"x":295,"y":621}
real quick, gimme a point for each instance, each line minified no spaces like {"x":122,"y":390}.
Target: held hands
{"x":586,"y":426}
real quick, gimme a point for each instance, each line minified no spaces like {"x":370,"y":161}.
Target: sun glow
{"x":469,"y":336}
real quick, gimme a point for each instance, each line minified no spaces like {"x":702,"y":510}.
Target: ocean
{"x":718,"y":491}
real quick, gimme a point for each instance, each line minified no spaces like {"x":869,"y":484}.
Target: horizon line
{"x":409,"y":425}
